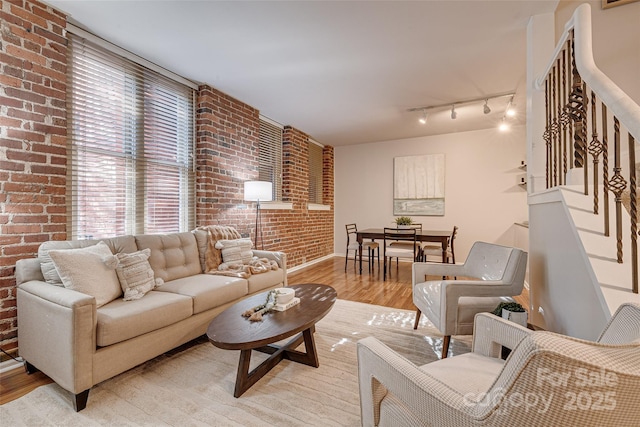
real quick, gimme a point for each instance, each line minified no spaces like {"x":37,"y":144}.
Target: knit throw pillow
{"x":89,"y":270}
{"x":236,"y":251}
{"x":135,"y":274}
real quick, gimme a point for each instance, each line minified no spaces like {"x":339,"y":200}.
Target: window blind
{"x":315,"y":173}
{"x":270,"y":156}
{"x":131,"y":142}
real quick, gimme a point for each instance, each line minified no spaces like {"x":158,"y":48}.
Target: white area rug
{"x":193,"y":386}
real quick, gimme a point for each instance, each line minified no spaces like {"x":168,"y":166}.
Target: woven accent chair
{"x":497,"y":274}
{"x":409,"y":250}
{"x":547,"y":380}
{"x":435,"y":249}
{"x":352,"y":245}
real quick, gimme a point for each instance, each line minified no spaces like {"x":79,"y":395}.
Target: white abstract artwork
{"x":418,"y":185}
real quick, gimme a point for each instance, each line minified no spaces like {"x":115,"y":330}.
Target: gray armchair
{"x":497,"y":274}
{"x":548,"y":379}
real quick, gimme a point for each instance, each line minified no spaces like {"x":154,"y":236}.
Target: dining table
{"x":441,"y":236}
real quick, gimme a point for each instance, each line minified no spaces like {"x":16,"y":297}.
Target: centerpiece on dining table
{"x":404,"y":222}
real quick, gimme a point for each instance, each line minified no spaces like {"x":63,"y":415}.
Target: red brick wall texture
{"x":33,"y":128}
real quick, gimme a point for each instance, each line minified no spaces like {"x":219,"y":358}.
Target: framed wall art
{"x":610,"y":3}
{"x":418,"y":185}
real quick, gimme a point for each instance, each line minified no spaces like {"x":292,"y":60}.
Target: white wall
{"x":616,"y":40}
{"x":565,"y":294}
{"x":482,"y":195}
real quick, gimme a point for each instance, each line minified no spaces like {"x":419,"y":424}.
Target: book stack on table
{"x":282,"y":307}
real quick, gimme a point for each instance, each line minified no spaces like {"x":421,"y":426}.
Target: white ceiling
{"x":344,"y":72}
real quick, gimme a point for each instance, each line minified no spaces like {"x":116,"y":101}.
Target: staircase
{"x":583,"y":236}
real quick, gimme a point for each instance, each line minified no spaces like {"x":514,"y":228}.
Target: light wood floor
{"x":366,"y":287}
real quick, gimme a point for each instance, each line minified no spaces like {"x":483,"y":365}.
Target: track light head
{"x":423,"y":118}
{"x":453,"y":112}
{"x":510,"y":111}
{"x":487,"y":109}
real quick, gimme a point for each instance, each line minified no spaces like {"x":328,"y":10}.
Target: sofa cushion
{"x":173,"y":256}
{"x":89,"y":270}
{"x":236,"y":251}
{"x":135,"y":274}
{"x":258,"y":282}
{"x":121,"y":320}
{"x":208,"y":291}
{"x":469,"y":374}
{"x":121,"y":244}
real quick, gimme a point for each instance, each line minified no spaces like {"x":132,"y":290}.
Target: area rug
{"x":193,"y":385}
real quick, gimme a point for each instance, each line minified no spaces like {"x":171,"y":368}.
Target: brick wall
{"x":311,"y":236}
{"x":227,"y":155}
{"x":33,"y":158}
{"x":32,"y":142}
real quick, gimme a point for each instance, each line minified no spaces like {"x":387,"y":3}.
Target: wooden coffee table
{"x":231,"y":331}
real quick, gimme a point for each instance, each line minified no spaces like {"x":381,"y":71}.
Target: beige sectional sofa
{"x":63,"y":333}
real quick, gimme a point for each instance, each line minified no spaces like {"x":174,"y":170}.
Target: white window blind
{"x":315,"y":173}
{"x":270,"y":156}
{"x":131,"y":145}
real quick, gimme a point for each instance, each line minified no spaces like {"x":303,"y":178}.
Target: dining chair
{"x":353,"y":245}
{"x":435,"y":249}
{"x":399,"y":235}
{"x":407,"y":245}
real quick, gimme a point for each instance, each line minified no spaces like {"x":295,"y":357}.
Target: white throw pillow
{"x":135,"y":274}
{"x":89,"y":270}
{"x":48,"y":269}
{"x":236,"y":251}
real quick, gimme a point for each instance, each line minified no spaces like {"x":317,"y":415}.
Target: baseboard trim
{"x":10,"y":365}
{"x":310,"y":263}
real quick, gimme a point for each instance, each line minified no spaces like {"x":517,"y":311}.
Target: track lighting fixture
{"x":509,"y":112}
{"x":423,"y":119}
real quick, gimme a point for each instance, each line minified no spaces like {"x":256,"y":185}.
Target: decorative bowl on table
{"x":284,"y":295}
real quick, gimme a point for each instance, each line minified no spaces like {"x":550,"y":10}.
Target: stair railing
{"x":584,"y":108}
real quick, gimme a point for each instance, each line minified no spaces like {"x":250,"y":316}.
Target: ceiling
{"x":345,"y":72}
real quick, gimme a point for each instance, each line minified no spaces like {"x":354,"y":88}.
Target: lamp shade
{"x":258,"y":191}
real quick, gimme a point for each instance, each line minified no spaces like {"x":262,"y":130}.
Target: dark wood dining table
{"x":441,"y":236}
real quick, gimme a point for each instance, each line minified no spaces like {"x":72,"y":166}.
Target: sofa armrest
{"x":381,"y":371}
{"x":422,"y":269}
{"x":279,"y":257}
{"x":452,"y":290}
{"x":58,"y":333}
{"x":58,"y":295}
{"x":491,"y":332}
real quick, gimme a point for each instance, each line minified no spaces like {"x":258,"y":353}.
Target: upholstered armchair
{"x":491,"y":274}
{"x":547,"y":380}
